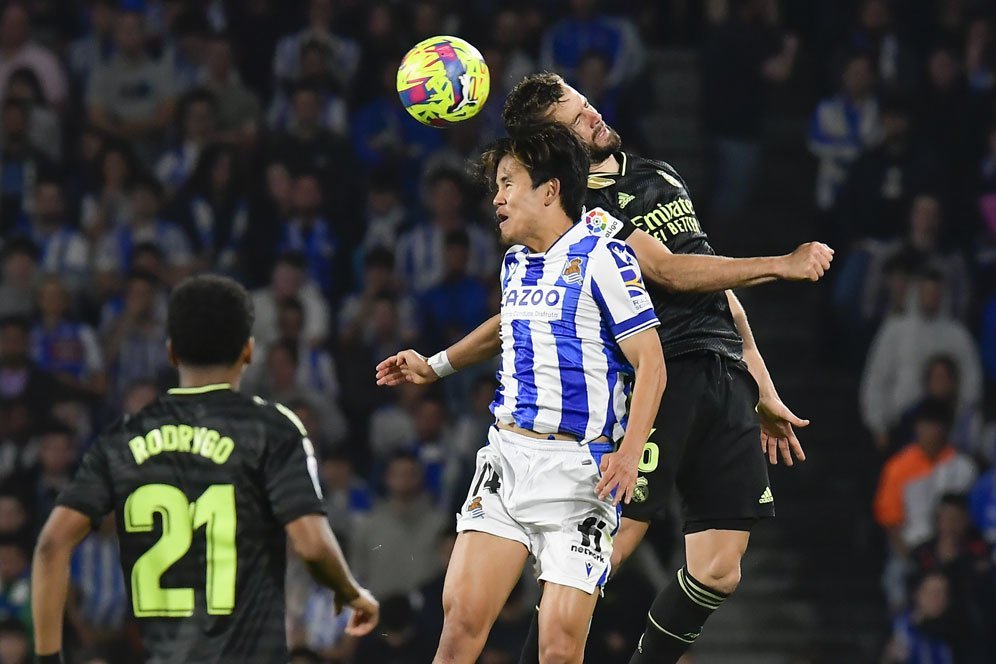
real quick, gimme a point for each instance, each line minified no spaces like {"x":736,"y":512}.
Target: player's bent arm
{"x":314,"y":542}
{"x":704,"y":273}
{"x":643,"y":351}
{"x":752,"y":355}
{"x":481,"y":344}
{"x":64,"y":529}
{"x":408,"y":366}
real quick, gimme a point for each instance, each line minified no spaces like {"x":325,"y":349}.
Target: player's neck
{"x":608,"y":165}
{"x":204,"y":376}
{"x":547,"y":232}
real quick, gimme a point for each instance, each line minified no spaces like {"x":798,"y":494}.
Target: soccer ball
{"x":443,"y":80}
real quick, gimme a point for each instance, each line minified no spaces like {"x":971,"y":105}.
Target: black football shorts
{"x":706,"y":441}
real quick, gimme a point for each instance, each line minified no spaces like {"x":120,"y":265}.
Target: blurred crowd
{"x":145,"y":140}
{"x":905,"y":140}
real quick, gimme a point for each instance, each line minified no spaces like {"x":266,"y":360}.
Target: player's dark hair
{"x":529,"y":102}
{"x":548,"y":152}
{"x":210,"y":320}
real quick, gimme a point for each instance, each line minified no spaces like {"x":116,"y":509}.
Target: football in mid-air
{"x":443,"y":80}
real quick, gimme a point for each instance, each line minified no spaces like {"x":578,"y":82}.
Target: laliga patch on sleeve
{"x":601,"y":223}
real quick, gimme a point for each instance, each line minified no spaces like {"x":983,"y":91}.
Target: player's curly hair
{"x":209,"y":321}
{"x":528,"y":104}
{"x":548,"y":151}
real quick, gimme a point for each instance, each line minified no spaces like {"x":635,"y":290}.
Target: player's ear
{"x":551,"y":195}
{"x":247,"y":351}
{"x":172,"y":356}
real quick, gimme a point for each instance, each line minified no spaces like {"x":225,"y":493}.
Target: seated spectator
{"x":15,"y":578}
{"x":882,"y":181}
{"x":355,"y":323}
{"x":428,"y":600}
{"x":15,"y":643}
{"x":138,"y":395}
{"x":237,"y":107}
{"x":458,"y":304}
{"x":289,"y":279}
{"x":315,"y":627}
{"x":215,"y":209}
{"x":64,"y":250}
{"x":922,"y":249}
{"x":16,"y":449}
{"x":57,"y":456}
{"x":22,"y":162}
{"x":17,"y":50}
{"x":396,"y":640}
{"x":96,"y":47}
{"x":20,"y":378}
{"x":115,"y":251}
{"x":386,"y":216}
{"x":926,"y":631}
{"x":100,"y":599}
{"x":508,"y":37}
{"x":107,"y":206}
{"x":134,"y":335}
{"x":433,"y":444}
{"x":186,"y":47}
{"x":393,"y":550}
{"x":15,"y":521}
{"x":914,"y":479}
{"x":876,"y":33}
{"x":844,"y":126}
{"x":892,"y":380}
{"x":311,"y":233}
{"x":65,"y":347}
{"x":132,"y":96}
{"x":347,"y":495}
{"x":316,"y":76}
{"x":421,"y":260}
{"x":197,"y":127}
{"x":46,"y":128}
{"x":987,"y":339}
{"x":617,"y":40}
{"x":343,"y":53}
{"x":20,"y":277}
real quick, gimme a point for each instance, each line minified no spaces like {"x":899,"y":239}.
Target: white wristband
{"x":440,"y":363}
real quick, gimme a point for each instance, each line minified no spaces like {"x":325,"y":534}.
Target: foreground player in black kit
{"x":707,"y":432}
{"x":204,"y":482}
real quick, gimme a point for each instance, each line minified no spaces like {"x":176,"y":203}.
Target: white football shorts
{"x":542,"y":493}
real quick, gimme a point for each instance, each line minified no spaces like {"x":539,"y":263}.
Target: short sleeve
{"x":603,"y":224}
{"x":90,"y":492}
{"x":290,"y":471}
{"x":618,"y":288}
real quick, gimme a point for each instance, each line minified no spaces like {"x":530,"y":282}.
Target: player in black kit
{"x":707,"y":433}
{"x":204,"y":483}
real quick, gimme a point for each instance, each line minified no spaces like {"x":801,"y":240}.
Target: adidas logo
{"x":625,"y":199}
{"x":766,"y":497}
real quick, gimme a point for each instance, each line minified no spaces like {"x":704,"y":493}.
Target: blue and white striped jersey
{"x":563,"y":314}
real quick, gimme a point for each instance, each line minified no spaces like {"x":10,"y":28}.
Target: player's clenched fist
{"x":405,"y":367}
{"x":808,"y":262}
{"x":619,"y":472}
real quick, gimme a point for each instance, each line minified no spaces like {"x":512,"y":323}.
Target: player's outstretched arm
{"x":408,"y":366}
{"x":315,"y":543}
{"x":64,"y":529}
{"x":701,"y":273}
{"x":619,"y":469}
{"x":777,"y":421}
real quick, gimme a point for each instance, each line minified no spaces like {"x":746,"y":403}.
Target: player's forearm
{"x":752,"y":355}
{"x":49,"y":587}
{"x":701,"y":273}
{"x":314,"y":542}
{"x":481,"y":344}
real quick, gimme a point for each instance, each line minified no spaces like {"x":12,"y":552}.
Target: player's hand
{"x":366,"y":614}
{"x":777,"y":433}
{"x":618,"y":474}
{"x":405,"y":367}
{"x":808,"y":262}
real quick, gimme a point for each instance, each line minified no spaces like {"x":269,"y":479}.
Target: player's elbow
{"x":651,"y":369}
{"x":309,"y":539}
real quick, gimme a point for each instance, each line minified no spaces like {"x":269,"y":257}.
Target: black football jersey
{"x":202,"y":482}
{"x":651,"y":196}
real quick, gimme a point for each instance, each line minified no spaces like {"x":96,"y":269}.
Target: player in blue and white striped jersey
{"x":578,"y":342}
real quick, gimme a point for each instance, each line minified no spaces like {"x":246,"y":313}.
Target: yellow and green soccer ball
{"x":443,"y":80}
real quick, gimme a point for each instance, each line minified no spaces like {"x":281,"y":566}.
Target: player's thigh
{"x":564,"y":618}
{"x":481,"y":573}
{"x":631,"y":533}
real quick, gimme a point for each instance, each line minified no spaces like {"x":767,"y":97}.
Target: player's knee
{"x":721,"y":572}
{"x":559,"y":647}
{"x":462,"y":622}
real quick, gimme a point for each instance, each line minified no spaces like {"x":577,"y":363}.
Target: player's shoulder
{"x":635,"y":167}
{"x":278,"y":418}
{"x":600,"y":223}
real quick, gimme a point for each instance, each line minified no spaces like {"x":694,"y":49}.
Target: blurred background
{"x":142,"y":141}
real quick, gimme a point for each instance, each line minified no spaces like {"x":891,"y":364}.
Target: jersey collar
{"x":601,"y":179}
{"x":200,"y":389}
